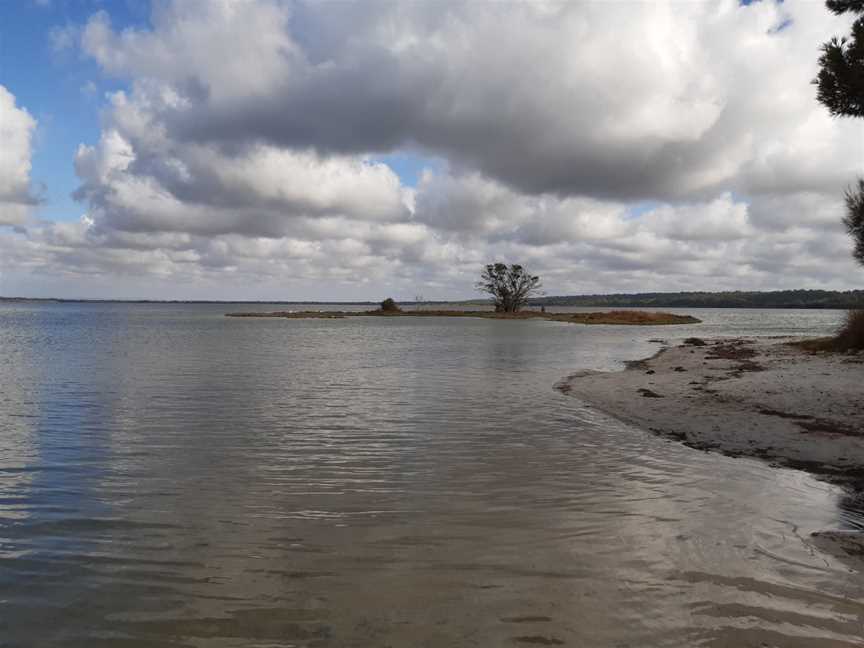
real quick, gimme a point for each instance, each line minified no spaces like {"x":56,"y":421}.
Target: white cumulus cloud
{"x":16,"y":135}
{"x":611,"y":146}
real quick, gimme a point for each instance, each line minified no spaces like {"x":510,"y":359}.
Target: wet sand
{"x":747,"y":397}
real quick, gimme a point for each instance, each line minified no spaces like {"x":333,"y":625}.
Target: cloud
{"x":89,"y":89}
{"x":16,"y":132}
{"x":609,"y":146}
{"x":619,"y":101}
{"x":65,"y":38}
{"x":155,"y":185}
{"x":577,"y":245}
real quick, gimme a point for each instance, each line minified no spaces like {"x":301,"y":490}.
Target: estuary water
{"x":172,"y":477}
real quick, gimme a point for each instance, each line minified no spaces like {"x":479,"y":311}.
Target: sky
{"x":289,"y":150}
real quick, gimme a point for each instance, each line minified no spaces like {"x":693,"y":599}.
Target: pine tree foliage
{"x":840,"y":88}
{"x":854,"y":219}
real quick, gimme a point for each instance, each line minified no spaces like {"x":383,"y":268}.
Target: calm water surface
{"x":172,"y":477}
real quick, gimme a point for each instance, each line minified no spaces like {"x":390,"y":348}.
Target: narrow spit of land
{"x":769,"y":399}
{"x":625,"y":317}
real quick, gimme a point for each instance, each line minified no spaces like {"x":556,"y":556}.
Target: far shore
{"x":623,"y":317}
{"x":765,"y":398}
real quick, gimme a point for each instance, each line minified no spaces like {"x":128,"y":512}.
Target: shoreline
{"x":749,"y":397}
{"x":746,"y":397}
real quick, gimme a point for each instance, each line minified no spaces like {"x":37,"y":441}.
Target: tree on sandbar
{"x":510,"y":286}
{"x":390,"y":306}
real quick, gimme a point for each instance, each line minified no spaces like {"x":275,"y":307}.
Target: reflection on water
{"x":171,"y":477}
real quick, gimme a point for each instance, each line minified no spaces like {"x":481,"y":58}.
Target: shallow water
{"x":172,"y":477}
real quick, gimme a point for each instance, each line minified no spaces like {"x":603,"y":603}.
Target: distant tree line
{"x":774,"y":299}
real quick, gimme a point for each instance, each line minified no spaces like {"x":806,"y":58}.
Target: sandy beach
{"x":747,"y":397}
{"x":759,"y":398}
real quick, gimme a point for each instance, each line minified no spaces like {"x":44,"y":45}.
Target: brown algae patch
{"x":527,"y":619}
{"x":539,"y":640}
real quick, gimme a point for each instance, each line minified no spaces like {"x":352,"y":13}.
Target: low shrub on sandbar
{"x":390,"y":306}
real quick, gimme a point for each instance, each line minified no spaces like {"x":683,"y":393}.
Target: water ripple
{"x":170,"y":477}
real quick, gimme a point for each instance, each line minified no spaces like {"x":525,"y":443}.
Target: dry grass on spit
{"x":625,"y":317}
{"x":631,"y":317}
